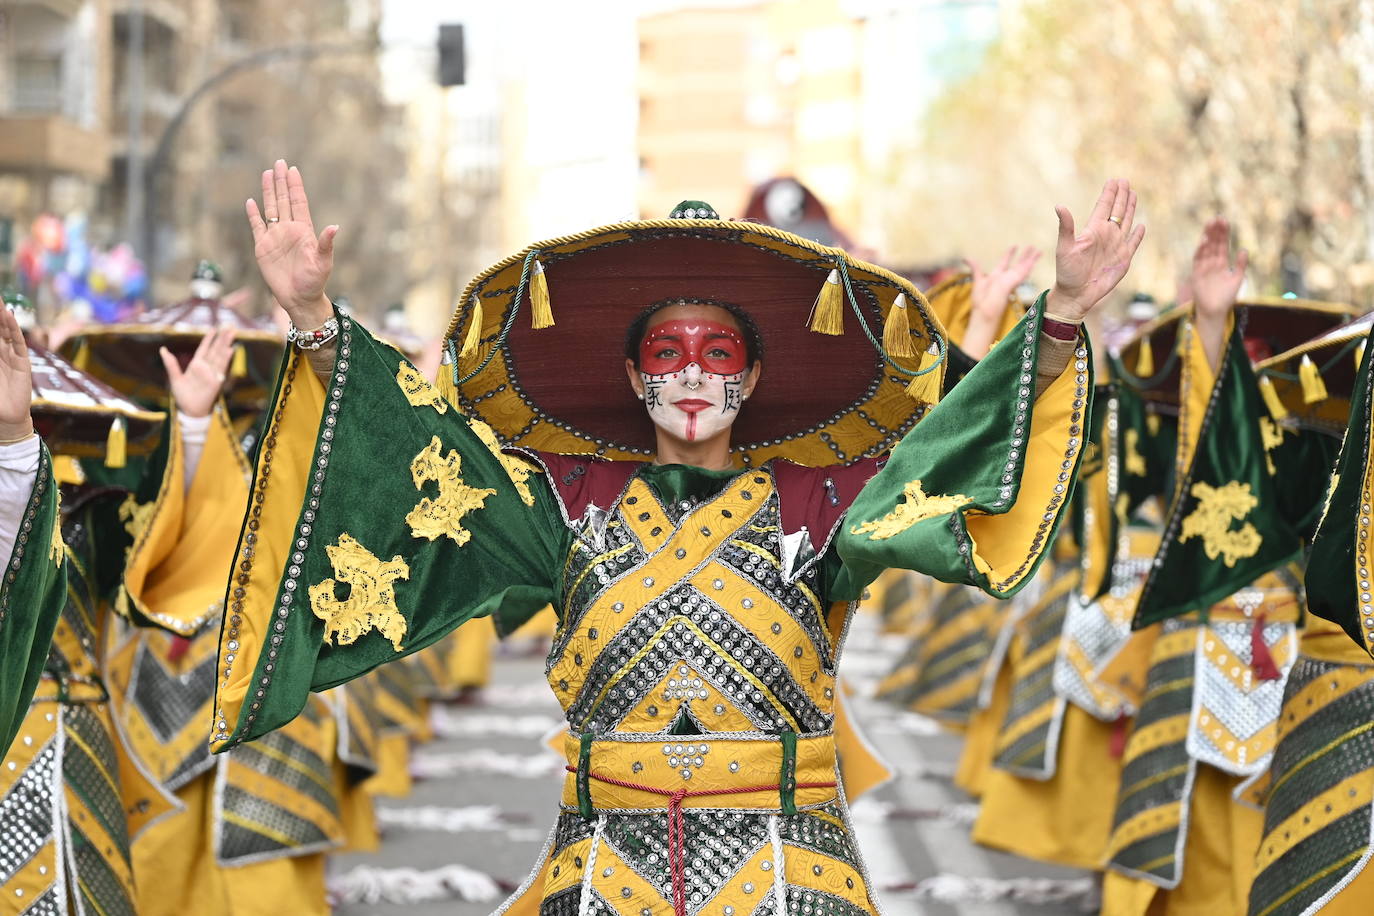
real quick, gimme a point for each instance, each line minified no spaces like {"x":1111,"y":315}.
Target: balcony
{"x":52,"y":143}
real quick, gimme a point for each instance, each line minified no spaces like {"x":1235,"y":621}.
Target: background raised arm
{"x":1215,"y":283}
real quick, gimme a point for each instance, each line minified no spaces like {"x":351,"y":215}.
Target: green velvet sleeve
{"x":32,"y":594}
{"x":1234,"y":515}
{"x":1338,"y":568}
{"x":975,"y":492}
{"x":379,"y":520}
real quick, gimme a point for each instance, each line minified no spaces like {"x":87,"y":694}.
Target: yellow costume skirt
{"x":1065,"y":820}
{"x":1218,"y":859}
{"x":175,"y":872}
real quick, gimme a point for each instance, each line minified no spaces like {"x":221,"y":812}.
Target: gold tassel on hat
{"x":926,"y":387}
{"x":474,"y":334}
{"x":238,"y":368}
{"x":542,"y":310}
{"x":1271,"y":398}
{"x":1145,"y":359}
{"x":1313,"y":388}
{"x":897,"y":329}
{"x":827,"y":315}
{"x":116,"y":445}
{"x":445,"y":382}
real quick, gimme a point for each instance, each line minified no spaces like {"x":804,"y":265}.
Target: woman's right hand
{"x":293,"y":261}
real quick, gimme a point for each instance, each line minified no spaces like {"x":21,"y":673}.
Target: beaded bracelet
{"x":313,"y":340}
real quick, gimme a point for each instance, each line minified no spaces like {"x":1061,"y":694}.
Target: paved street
{"x":489,"y":799}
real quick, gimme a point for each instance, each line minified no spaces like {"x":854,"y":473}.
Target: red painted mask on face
{"x":673,"y":345}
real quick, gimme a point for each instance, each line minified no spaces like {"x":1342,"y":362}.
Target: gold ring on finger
{"x":1114,"y":219}
{"x":274,"y":219}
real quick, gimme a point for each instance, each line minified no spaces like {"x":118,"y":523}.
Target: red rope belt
{"x":677,"y":835}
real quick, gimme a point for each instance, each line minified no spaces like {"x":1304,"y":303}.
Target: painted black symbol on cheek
{"x":653,"y":392}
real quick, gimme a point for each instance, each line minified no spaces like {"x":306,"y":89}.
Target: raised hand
{"x":16,"y":381}
{"x":992,"y":289}
{"x":1215,"y":282}
{"x":294,"y":262}
{"x":1089,"y":264}
{"x":196,"y":388}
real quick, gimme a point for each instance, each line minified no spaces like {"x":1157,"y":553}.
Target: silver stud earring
{"x":640,"y":395}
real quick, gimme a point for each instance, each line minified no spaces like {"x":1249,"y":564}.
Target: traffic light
{"x":450,"y":55}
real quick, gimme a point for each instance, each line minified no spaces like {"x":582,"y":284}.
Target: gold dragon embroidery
{"x":135,"y":516}
{"x":1135,"y":462}
{"x":1217,"y":508}
{"x":517,"y":468}
{"x":1271,"y":434}
{"x":57,"y":550}
{"x":917,"y":507}
{"x":443,"y":515}
{"x":418,"y":391}
{"x":371,"y":601}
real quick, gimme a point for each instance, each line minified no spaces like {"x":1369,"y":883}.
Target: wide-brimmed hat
{"x":1311,"y":385}
{"x":79,"y":416}
{"x":845,"y":373}
{"x":1149,"y":360}
{"x":124,"y":355}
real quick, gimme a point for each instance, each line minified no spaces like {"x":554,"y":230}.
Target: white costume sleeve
{"x":18,"y":473}
{"x":194,"y":432}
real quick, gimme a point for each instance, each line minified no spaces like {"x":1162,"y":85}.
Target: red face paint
{"x":672,"y":345}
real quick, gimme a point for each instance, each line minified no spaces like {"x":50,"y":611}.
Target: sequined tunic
{"x":685,"y":652}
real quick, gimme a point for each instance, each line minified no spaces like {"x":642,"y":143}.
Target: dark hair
{"x":634,"y":334}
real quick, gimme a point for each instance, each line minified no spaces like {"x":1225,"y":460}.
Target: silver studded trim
{"x":1016,"y":455}
{"x":304,"y":529}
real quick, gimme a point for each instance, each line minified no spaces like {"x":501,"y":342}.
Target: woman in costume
{"x":702,"y":594}
{"x":1319,"y":792}
{"x":1221,"y":605}
{"x":250,"y":834}
{"x":76,"y":794}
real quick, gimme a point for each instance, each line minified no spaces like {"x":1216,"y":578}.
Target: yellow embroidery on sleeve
{"x":517,"y":468}
{"x":418,"y":391}
{"x":57,"y":550}
{"x":443,"y":515}
{"x":1135,"y":462}
{"x":135,"y":516}
{"x":918,"y":507}
{"x":1271,"y":434}
{"x":371,"y":601}
{"x":1217,"y":508}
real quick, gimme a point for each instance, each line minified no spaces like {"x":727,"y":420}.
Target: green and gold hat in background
{"x":853,"y":355}
{"x":79,"y":416}
{"x":1149,"y":360}
{"x":1311,"y":385}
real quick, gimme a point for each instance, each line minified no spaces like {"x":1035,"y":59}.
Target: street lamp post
{"x":157,"y":163}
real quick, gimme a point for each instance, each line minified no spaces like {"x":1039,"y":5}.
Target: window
{"x":38,"y":83}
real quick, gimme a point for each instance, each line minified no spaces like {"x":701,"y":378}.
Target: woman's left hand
{"x":196,"y":388}
{"x":1089,"y":265}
